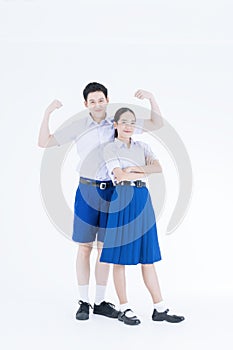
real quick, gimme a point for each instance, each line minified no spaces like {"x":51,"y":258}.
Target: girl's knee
{"x":118,"y":267}
{"x":147,"y":266}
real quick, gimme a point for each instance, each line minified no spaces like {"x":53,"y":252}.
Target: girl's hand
{"x":121,"y":177}
{"x":149,"y":161}
{"x":133,"y":169}
{"x":128,"y":169}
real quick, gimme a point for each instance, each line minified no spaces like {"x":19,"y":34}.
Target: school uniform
{"x":95,"y":188}
{"x":131,"y":232}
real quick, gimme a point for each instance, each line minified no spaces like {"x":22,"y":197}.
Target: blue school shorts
{"x":91,"y":212}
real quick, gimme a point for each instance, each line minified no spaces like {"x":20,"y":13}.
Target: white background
{"x":182,"y":52}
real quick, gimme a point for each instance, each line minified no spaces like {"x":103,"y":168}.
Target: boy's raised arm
{"x":46,"y":139}
{"x":156,"y":119}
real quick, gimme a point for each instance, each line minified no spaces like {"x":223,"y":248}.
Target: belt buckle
{"x":103,"y":185}
{"x":139,"y":183}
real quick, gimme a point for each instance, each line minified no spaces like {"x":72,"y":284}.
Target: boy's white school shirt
{"x":90,"y":138}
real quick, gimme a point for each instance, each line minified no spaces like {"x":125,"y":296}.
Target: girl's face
{"x":125,"y":125}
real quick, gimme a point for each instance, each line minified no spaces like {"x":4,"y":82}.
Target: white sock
{"x":83,"y":292}
{"x":99,"y":293}
{"x":126,"y":306}
{"x":161,"y":306}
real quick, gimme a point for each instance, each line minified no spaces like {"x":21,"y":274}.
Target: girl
{"x":131,"y":234}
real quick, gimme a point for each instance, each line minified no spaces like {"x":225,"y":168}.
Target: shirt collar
{"x":121,"y":144}
{"x":90,"y":121}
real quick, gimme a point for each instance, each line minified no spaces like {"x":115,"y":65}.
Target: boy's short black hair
{"x":93,"y":87}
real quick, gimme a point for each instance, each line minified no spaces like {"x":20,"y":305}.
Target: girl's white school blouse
{"x":118,"y":155}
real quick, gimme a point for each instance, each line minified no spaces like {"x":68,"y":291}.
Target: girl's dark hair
{"x":93,"y":87}
{"x":119,"y":113}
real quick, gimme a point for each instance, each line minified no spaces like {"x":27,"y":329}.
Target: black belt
{"x":137,"y":183}
{"x":101,"y":184}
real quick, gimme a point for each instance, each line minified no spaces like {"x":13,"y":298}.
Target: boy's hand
{"x":141,"y":94}
{"x":53,"y":105}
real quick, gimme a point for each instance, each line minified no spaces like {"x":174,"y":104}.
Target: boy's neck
{"x":98,"y":119}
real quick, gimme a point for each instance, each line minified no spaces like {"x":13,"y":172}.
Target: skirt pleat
{"x":131,"y":233}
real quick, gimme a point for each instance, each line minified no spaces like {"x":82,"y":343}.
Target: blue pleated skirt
{"x":131,"y":233}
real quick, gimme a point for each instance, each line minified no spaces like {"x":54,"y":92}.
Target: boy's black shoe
{"x":105,"y":309}
{"x":163,"y":316}
{"x":131,"y":321}
{"x":83,"y":311}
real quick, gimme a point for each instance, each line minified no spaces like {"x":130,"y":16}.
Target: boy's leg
{"x":84,"y":230}
{"x":83,"y":276}
{"x":83,"y":264}
{"x":90,"y":218}
{"x":102,"y":307}
{"x":101,"y":276}
{"x":102,"y":269}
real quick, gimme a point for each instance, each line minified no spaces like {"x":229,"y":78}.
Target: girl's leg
{"x":120,"y":283}
{"x":151,"y":281}
{"x":160,"y":310}
{"x":127,"y":315}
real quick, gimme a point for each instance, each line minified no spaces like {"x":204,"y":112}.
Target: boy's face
{"x":97,"y":104}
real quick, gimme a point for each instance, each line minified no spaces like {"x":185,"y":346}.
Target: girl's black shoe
{"x":163,"y":316}
{"x":131,"y":321}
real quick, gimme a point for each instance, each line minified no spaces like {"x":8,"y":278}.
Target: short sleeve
{"x":65,"y":134}
{"x":139,"y":126}
{"x":70,"y":132}
{"x":148,"y":152}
